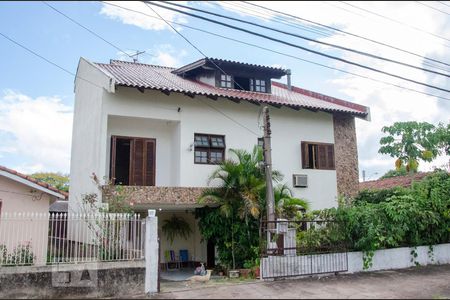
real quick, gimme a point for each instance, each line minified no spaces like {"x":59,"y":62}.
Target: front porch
{"x":178,"y":257}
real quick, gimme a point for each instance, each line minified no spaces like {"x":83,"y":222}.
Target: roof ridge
{"x":322,"y":97}
{"x":138,"y":63}
{"x":34,"y":180}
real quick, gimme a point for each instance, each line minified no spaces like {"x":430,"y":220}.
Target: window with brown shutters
{"x":317,"y":156}
{"x":132,"y":161}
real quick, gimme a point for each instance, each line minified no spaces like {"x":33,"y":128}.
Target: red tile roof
{"x":146,"y":76}
{"x":35,"y":181}
{"x":387,"y":183}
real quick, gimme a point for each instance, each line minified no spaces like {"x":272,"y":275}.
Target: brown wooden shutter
{"x":305,"y":155}
{"x":321,"y":157}
{"x":112,"y":163}
{"x":149,"y":150}
{"x":137,"y":161}
{"x":330,"y":157}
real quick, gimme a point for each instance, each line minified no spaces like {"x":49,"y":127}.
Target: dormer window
{"x":225,"y":81}
{"x":257,"y":85}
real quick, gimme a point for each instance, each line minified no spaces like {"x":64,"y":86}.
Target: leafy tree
{"x":58,"y":180}
{"x":412,"y":141}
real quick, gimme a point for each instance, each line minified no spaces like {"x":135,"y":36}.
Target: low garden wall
{"x":73,"y":281}
{"x":388,"y":259}
{"x":400,"y":258}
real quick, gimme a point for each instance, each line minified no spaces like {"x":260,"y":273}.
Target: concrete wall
{"x":177,"y":118}
{"x":196,"y":248}
{"x":73,"y":281}
{"x":397,"y":258}
{"x":400,"y":258}
{"x":19,"y":198}
{"x":88,"y":132}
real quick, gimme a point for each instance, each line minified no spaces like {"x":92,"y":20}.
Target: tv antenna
{"x":136,"y":55}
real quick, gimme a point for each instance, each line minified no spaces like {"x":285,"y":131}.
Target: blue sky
{"x":36,"y":98}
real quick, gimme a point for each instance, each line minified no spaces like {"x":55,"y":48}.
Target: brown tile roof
{"x":35,"y":181}
{"x":387,"y":183}
{"x":146,"y":76}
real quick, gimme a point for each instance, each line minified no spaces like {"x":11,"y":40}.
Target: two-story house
{"x":159,"y":133}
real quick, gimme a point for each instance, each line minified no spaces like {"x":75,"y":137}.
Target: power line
{"x":442,"y":2}
{"x":281,"y":53}
{"x":201,"y":52}
{"x":89,"y":30}
{"x":131,"y":56}
{"x":345,"y":32}
{"x":309,"y":39}
{"x":47,"y":60}
{"x":302,"y":48}
{"x":431,"y":7}
{"x":195,"y":47}
{"x":273,"y":18}
{"x":396,"y":21}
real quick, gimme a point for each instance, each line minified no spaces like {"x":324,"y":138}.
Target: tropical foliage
{"x":419,"y":215}
{"x":410,"y":142}
{"x":238,"y":206}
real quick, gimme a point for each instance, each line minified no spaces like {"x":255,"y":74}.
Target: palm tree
{"x":240,"y":184}
{"x":287,"y":206}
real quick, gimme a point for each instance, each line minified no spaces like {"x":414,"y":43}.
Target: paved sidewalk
{"x":421,"y":282}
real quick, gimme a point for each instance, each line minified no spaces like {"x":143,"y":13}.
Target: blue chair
{"x":184,"y":256}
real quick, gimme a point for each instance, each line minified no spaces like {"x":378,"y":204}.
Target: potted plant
{"x":176,"y":226}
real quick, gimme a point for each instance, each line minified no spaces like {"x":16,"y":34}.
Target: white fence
{"x":39,"y":239}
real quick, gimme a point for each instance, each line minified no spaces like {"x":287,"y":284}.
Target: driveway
{"x":420,"y":282}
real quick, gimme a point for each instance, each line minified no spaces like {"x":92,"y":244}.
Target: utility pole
{"x":270,"y":201}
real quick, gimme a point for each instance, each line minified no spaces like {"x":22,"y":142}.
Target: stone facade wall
{"x":346,"y":155}
{"x":154,"y":194}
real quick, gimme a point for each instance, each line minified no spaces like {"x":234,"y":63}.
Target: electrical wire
{"x":302,"y":48}
{"x":396,"y":21}
{"x":202,"y":53}
{"x":280,"y":53}
{"x":433,"y":8}
{"x":308,"y":39}
{"x":345,"y":32}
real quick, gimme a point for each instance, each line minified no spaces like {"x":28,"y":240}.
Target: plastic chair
{"x":170,"y":258}
{"x":184,"y":256}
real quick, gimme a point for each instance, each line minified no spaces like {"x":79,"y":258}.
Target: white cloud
{"x":141,"y":20}
{"x":38,"y":131}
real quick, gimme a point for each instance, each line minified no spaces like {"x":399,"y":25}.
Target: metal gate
{"x":302,"y":247}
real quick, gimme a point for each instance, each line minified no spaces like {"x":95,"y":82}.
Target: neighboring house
{"x":387,"y":183}
{"x":159,"y":132}
{"x":23,"y":194}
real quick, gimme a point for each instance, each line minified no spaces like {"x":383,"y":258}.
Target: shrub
{"x":405,"y":217}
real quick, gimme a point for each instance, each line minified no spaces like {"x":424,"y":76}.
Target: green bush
{"x":377,"y":196}
{"x":406,"y":217}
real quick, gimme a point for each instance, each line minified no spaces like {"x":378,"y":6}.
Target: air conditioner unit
{"x":300,"y":180}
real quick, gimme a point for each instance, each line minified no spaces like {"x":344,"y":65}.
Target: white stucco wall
{"x":95,"y":119}
{"x":289,"y":128}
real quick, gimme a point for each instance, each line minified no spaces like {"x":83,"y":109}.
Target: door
{"x":210,"y":255}
{"x":133,"y":161}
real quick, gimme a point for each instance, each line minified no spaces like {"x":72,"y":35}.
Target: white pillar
{"x":151,"y":253}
